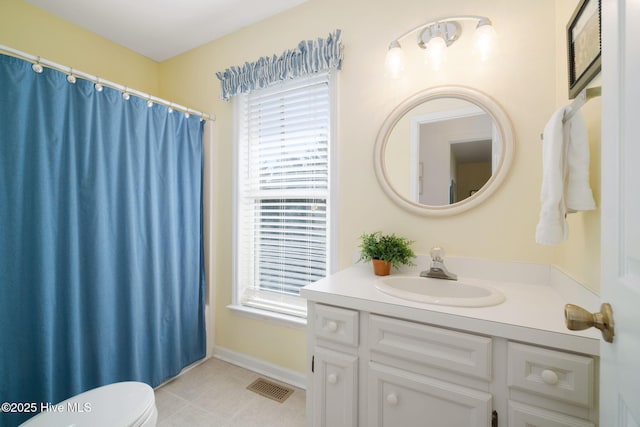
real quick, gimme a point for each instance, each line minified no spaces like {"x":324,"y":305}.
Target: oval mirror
{"x":444,"y":150}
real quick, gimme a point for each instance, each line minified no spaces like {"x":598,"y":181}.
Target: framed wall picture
{"x":584,"y":45}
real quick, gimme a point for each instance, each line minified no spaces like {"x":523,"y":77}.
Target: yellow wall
{"x":579,"y":256}
{"x":34,"y":31}
{"x":526,"y":80}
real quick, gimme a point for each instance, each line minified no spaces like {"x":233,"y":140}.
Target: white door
{"x":620,"y":361}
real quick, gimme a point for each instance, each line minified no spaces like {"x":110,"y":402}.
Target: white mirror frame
{"x":503,"y":124}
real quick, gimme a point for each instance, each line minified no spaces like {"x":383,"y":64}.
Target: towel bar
{"x":579,"y":101}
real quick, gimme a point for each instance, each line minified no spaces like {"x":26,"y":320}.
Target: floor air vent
{"x":269,"y":389}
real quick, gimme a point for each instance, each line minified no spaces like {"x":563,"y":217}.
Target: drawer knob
{"x":332,"y":326}
{"x":332,"y":378}
{"x":577,"y":319}
{"x":392,"y":399}
{"x":549,"y":377}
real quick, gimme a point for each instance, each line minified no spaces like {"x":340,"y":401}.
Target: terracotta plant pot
{"x":381,"y":268}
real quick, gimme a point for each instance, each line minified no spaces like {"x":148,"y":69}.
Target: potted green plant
{"x":385,"y":250}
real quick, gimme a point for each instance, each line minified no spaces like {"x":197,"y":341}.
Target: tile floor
{"x":214,"y":394}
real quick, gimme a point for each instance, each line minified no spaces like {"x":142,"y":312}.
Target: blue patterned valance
{"x":311,"y":56}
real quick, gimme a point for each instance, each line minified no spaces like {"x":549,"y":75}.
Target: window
{"x":283,"y":205}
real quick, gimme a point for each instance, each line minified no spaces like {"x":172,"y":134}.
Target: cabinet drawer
{"x":521,"y":415}
{"x":554,"y":374}
{"x":436,"y":347}
{"x":336,"y":324}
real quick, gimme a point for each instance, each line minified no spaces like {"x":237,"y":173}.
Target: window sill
{"x":269,"y":316}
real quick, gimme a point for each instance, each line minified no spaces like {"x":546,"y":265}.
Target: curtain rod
{"x":68,"y":70}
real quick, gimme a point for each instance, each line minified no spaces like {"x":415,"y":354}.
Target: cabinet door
{"x":399,"y":398}
{"x":335,"y":388}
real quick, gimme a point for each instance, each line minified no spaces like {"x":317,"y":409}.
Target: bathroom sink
{"x":459,"y":293}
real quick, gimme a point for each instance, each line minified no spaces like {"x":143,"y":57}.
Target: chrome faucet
{"x":438,"y":270}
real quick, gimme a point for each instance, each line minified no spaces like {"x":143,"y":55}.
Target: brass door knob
{"x":577,"y":319}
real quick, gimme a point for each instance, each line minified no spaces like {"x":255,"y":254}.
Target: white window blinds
{"x":283,"y":192}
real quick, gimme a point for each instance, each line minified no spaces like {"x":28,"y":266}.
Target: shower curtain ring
{"x":70,"y":77}
{"x":37,"y":67}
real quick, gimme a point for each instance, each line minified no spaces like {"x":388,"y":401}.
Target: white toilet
{"x":125,"y":404}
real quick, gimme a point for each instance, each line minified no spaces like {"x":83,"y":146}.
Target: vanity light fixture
{"x":484,"y":38}
{"x":394,"y":62}
{"x":435,"y":36}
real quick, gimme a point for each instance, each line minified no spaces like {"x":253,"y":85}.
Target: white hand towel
{"x":578,"y":195}
{"x":552,"y":228}
{"x":565,"y":176}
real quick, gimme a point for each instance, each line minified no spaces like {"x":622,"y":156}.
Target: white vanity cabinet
{"x":375,"y":370}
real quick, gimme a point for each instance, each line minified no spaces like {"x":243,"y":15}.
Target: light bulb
{"x":484,"y":39}
{"x":435,"y":51}
{"x":394,"y":62}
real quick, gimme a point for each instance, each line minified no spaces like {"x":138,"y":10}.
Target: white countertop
{"x":533,"y":310}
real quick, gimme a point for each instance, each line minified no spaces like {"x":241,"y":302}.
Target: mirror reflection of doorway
{"x":470,"y":167}
{"x":455,"y":151}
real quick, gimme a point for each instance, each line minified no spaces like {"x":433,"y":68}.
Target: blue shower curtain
{"x":101,"y":250}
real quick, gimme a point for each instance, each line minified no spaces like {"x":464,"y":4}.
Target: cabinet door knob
{"x":392,"y":399}
{"x":577,"y":319}
{"x":332,"y":378}
{"x":332,"y":326}
{"x":549,"y":377}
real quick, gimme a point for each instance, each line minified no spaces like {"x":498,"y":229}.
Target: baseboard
{"x":270,"y":370}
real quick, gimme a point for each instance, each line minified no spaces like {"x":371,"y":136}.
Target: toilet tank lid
{"x":117,"y":404}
